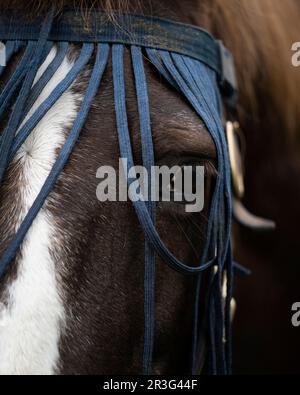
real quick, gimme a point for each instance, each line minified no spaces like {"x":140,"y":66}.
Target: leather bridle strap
{"x":142,"y":31}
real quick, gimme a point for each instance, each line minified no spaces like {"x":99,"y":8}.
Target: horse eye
{"x":178,"y":179}
{"x":188,"y":183}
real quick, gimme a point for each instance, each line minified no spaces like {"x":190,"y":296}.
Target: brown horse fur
{"x":260,"y":34}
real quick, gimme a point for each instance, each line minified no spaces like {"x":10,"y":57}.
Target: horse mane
{"x":260,"y":34}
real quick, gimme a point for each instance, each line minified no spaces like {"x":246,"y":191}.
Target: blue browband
{"x":199,"y":67}
{"x":137,"y":30}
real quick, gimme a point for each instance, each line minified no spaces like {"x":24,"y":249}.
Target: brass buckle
{"x":236,"y":162}
{"x":240,"y":213}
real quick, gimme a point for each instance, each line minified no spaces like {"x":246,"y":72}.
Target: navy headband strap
{"x":143,"y":31}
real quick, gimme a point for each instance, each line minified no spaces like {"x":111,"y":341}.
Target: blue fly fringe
{"x":199,"y":84}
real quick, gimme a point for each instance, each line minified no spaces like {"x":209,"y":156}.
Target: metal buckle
{"x":240,"y":213}
{"x":235,"y":156}
{"x":229,"y":84}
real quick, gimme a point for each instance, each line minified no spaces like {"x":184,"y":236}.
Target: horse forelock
{"x":39,"y":7}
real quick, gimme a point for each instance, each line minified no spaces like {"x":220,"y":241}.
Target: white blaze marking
{"x":31,"y":324}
